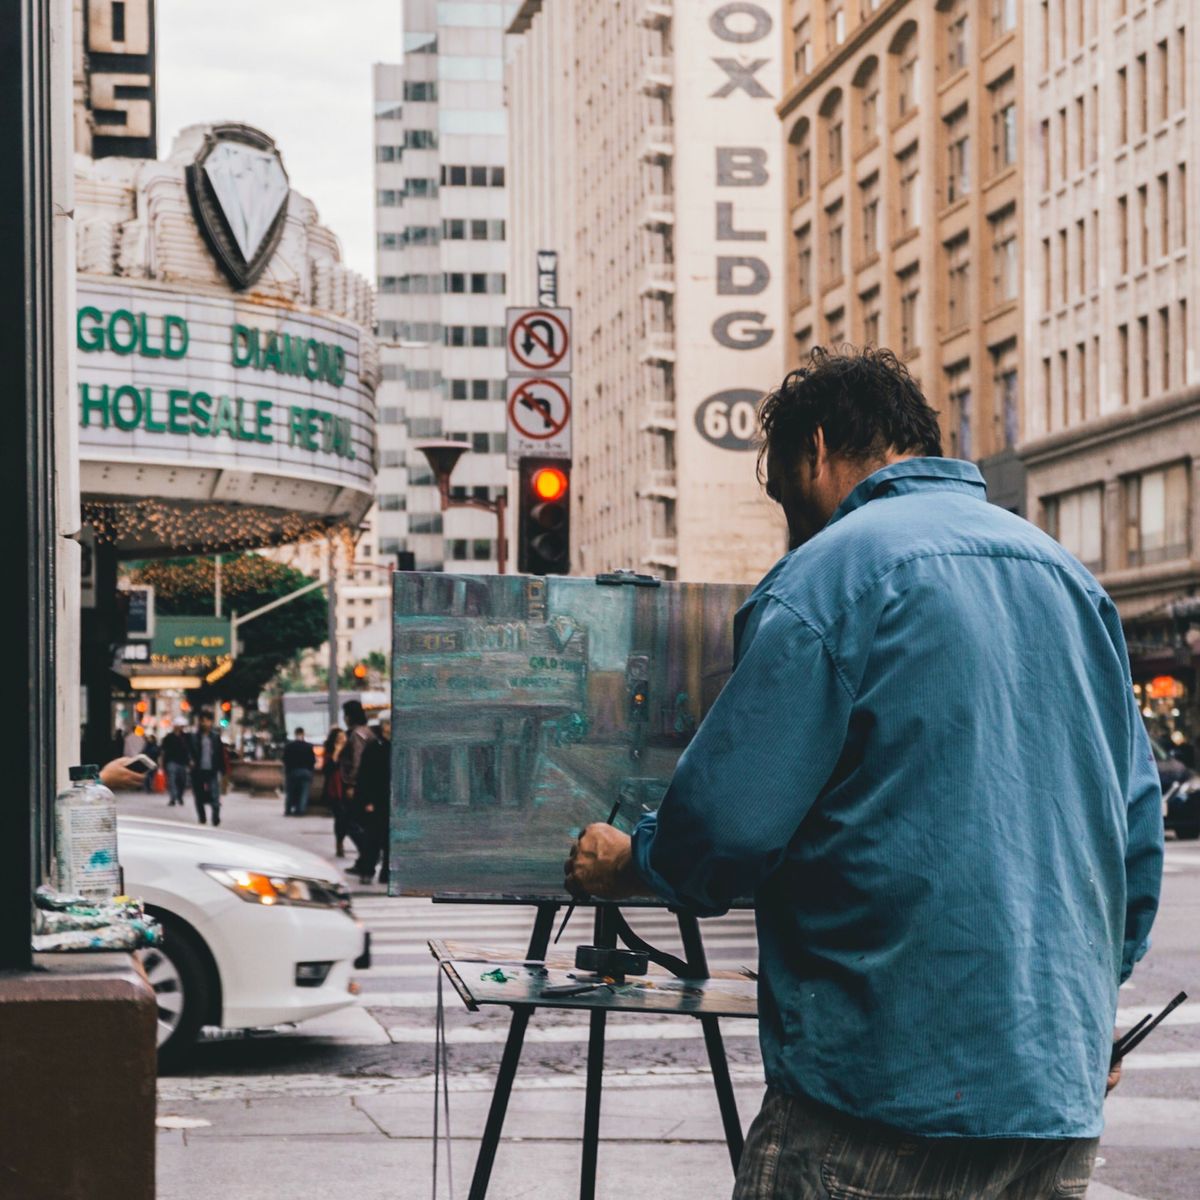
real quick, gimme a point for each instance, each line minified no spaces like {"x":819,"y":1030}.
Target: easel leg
{"x":490,"y":1143}
{"x":693,"y":949}
{"x":605,"y":935}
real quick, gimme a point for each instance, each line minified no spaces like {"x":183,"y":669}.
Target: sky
{"x":299,"y":72}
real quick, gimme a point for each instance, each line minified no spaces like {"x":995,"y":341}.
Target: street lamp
{"x":443,"y":456}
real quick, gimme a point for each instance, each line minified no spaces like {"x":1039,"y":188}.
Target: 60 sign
{"x":729,"y":419}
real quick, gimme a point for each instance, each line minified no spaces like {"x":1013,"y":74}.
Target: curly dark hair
{"x":865,"y":401}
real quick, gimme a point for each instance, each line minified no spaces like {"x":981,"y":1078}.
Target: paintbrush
{"x":612,"y":816}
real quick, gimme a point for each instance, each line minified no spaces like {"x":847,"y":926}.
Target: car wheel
{"x":178,"y":974}
{"x":1187,"y":833}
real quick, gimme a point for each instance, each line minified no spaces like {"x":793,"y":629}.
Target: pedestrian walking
{"x":206,"y":755}
{"x":358,"y":738}
{"x":334,"y":794}
{"x":175,"y":759}
{"x":929,"y":771}
{"x":372,"y":799}
{"x":299,"y":762}
{"x":134,"y":741}
{"x":153,"y":751}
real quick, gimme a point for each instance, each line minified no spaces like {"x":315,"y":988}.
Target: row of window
{"x":460,"y":176}
{"x":472,"y":550}
{"x":449,"y":283}
{"x":425,"y":332}
{"x":1002,"y":228}
{"x":410,"y":235}
{"x":476,"y":389}
{"x":414,"y":187}
{"x":414,"y":139}
{"x":1151,"y":360}
{"x":482,"y":443}
{"x":1153,"y":515}
{"x":1005,"y":402}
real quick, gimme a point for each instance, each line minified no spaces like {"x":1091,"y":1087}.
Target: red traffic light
{"x":549,"y":484}
{"x":360,"y":671}
{"x":226,"y":706}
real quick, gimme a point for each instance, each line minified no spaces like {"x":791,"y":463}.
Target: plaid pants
{"x":798,"y":1150}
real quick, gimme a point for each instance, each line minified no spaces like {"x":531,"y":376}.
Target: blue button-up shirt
{"x":929,"y":771}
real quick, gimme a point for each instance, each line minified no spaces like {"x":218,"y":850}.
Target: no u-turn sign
{"x":539,"y":341}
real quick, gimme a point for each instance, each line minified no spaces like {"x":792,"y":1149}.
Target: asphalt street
{"x":381,"y":1051}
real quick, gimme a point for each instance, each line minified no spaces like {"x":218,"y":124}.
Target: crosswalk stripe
{"x":679,"y":1030}
{"x":1185,"y":1014}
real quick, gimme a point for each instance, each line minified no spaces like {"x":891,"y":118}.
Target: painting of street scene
{"x":525,"y":708}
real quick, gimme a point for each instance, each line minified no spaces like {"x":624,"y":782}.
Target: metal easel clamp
{"x":629,"y":577}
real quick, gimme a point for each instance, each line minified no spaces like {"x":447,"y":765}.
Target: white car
{"x":255,"y":932}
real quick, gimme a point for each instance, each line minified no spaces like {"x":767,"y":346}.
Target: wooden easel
{"x":609,"y":925}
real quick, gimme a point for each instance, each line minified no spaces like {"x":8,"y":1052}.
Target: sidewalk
{"x":660,"y":1139}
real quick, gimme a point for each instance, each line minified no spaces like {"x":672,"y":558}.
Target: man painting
{"x":929,"y":772}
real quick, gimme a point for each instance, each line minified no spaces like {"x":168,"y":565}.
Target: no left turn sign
{"x":539,"y":418}
{"x":539,"y":341}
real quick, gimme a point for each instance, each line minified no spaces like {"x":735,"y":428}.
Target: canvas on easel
{"x":524,"y":708}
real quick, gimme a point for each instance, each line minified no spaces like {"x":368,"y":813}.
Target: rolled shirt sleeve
{"x":758,"y":762}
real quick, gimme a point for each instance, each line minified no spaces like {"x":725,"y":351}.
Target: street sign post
{"x":538,"y":341}
{"x":539,"y":418}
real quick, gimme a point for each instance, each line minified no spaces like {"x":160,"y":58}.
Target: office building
{"x":441,"y":213}
{"x":1111,"y":382}
{"x":903,"y":123}
{"x":663,"y":156}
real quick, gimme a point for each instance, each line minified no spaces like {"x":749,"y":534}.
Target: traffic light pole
{"x":498,"y":506}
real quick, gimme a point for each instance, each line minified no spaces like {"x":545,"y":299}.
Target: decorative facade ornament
{"x":239,"y":191}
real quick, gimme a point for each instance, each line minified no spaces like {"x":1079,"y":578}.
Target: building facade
{"x":440,"y":219}
{"x":1111,"y":381}
{"x":904,"y":162}
{"x":667,"y":153}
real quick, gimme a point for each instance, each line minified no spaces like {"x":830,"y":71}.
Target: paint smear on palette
{"x":525,"y":708}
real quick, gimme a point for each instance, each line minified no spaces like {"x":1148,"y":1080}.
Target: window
{"x":1076,"y":521}
{"x":958,"y":392}
{"x":1093,"y":152}
{"x":910,"y":188}
{"x":1064,"y":145}
{"x":910,"y":294}
{"x":1122,"y":106}
{"x":956,"y":36}
{"x":496,"y":177}
{"x":1164,"y":348}
{"x":831,"y":116}
{"x":958,"y":152}
{"x":1183,"y":341}
{"x":835,"y":23}
{"x":868,"y":304}
{"x":1144,"y":356}
{"x":425,"y":522}
{"x":868,"y":192}
{"x":387,"y":154}
{"x":1080,"y":134}
{"x":1181,"y":201}
{"x":1143,"y":227}
{"x":907,"y":83}
{"x":1003,"y":96}
{"x":835,"y":243}
{"x":1064,"y":268}
{"x":1005,"y":264}
{"x":1163,"y":64}
{"x":1164,"y":215}
{"x":958,"y":280}
{"x":1047,"y":276}
{"x":420,"y":90}
{"x":388,"y":198}
{"x":1123,"y":232}
{"x":1123,"y":363}
{"x":1080,"y":256}
{"x":1005,"y":402}
{"x":868,"y":110}
{"x":1064,"y":379}
{"x":1047,"y":397}
{"x":802,"y":48}
{"x":1080,"y":381}
{"x":1044,"y":142}
{"x":420,"y":139}
{"x":802,"y":158}
{"x":1156,"y":516}
{"x":1004,"y":17}
{"x":1140,"y":97}
{"x":804,"y":262}
{"x":835,"y":327}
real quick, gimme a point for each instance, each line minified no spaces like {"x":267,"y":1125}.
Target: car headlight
{"x":263,"y":887}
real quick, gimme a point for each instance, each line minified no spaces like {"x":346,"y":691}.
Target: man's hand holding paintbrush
{"x":600,"y":864}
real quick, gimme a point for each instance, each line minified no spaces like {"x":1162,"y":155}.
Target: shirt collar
{"x":922,"y":474}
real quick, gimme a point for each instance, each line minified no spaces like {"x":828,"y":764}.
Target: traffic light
{"x":544,"y":519}
{"x":226,"y":709}
{"x":639,"y":695}
{"x":360,"y":671}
